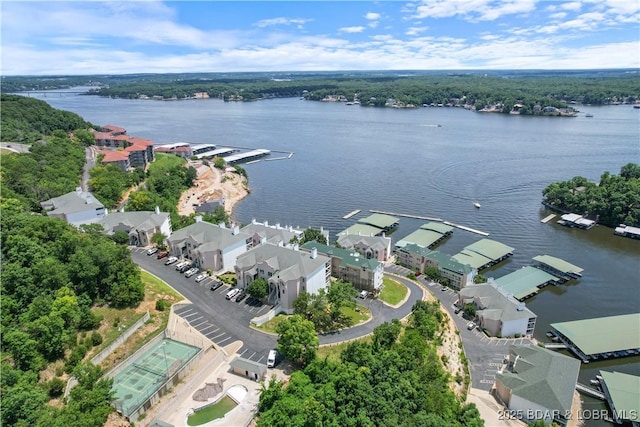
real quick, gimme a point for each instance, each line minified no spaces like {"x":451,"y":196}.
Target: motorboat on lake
{"x":476,"y":204}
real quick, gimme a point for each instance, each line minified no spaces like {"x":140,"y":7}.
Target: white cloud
{"x":471,"y":10}
{"x":358,"y":29}
{"x":372,"y":16}
{"x":574,"y":6}
{"x":558,"y":15}
{"x":281,"y":21}
{"x":413,"y":31}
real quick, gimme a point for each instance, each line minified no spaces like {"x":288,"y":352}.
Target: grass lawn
{"x":5,"y":151}
{"x":229,"y":278}
{"x":164,"y":162}
{"x":357,"y":315}
{"x":392,"y":291}
{"x":270,"y":326}
{"x":332,"y":352}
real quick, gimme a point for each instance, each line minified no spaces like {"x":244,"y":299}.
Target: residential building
{"x":371,"y":247}
{"x":76,"y":207}
{"x":140,"y":226}
{"x":537,"y":384}
{"x":348,"y":266}
{"x":418,"y":259}
{"x":499,"y":314}
{"x":288,"y":271}
{"x":209,"y":246}
{"x":263,"y":232}
{"x":118,"y":158}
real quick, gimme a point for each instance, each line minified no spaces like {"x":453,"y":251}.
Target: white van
{"x":232,"y":293}
{"x":271,"y":358}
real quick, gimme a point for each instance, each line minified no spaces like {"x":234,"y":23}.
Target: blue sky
{"x":91,"y":37}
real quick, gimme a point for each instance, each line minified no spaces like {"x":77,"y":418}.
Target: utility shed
{"x":525,"y":282}
{"x":248,"y":368}
{"x":623,"y":395}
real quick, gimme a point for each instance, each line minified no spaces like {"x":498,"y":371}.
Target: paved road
{"x":222,"y":321}
{"x":18,"y":148}
{"x":90,"y":161}
{"x":380,"y":312}
{"x":485,"y":354}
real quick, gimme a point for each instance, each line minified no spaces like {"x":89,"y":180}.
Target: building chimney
{"x":296,"y":247}
{"x":253,"y":220}
{"x":266,"y":223}
{"x":222,"y":225}
{"x":235,"y":230}
{"x":314,"y":253}
{"x":122,"y":209}
{"x":198,"y":218}
{"x":157,"y":210}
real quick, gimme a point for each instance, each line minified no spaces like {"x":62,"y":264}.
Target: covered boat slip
{"x":427,"y":236}
{"x":362,"y":230}
{"x":602,"y":337}
{"x":558,"y":267}
{"x":623,"y":395}
{"x":524,"y":283}
{"x":382,"y":221}
{"x":484,"y":253}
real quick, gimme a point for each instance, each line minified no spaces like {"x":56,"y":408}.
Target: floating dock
{"x":245,"y":157}
{"x":548,"y":218}
{"x":407,"y":215}
{"x":462,"y":227}
{"x":352,"y":213}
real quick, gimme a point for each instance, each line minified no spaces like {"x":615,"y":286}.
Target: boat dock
{"x":248,"y":156}
{"x":406,"y":215}
{"x":462,"y":227}
{"x":548,"y":218}
{"x":555,"y":346}
{"x":352,"y":213}
{"x":589,"y":391}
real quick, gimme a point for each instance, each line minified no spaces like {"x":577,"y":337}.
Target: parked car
{"x":215,"y":285}
{"x":190,"y":272}
{"x":152,"y":251}
{"x":272,"y":358}
{"x":184,"y":267}
{"x":162,"y":254}
{"x":232,"y":293}
{"x":364,"y":294}
{"x":241,"y":296}
{"x":471,"y":325}
{"x":170,"y":260}
{"x":200,"y":277}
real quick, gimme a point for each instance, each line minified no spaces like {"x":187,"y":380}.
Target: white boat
{"x":476,"y":204}
{"x":588,"y":115}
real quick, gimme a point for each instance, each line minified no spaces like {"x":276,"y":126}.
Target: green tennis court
{"x":144,"y":376}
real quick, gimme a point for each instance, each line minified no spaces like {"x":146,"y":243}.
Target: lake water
{"x":350,"y":157}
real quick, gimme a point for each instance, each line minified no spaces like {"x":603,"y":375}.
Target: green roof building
{"x":537,"y":383}
{"x":623,"y":395}
{"x":558,"y":267}
{"x":601,"y":338}
{"x":362,"y":230}
{"x":525,"y":282}
{"x":382,"y":221}
{"x":350,"y":266}
{"x":484,"y":253}
{"x":419,"y":259}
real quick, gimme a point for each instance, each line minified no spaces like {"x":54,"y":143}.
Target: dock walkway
{"x":589,"y":391}
{"x":406,"y":215}
{"x":547,"y":218}
{"x":352,"y":213}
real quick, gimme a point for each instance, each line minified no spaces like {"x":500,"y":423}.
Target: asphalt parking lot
{"x":485,"y":354}
{"x":220,"y":320}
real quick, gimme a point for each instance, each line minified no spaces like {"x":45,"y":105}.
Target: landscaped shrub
{"x":162,"y":305}
{"x":96,"y":338}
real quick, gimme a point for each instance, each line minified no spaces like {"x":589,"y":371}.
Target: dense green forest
{"x":473,"y":89}
{"x":614,"y":200}
{"x":395,"y":380}
{"x":26,"y":120}
{"x":51,"y":275}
